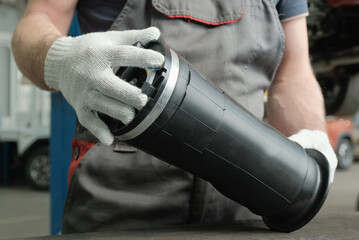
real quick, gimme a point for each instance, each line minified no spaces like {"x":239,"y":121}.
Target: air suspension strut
{"x":191,"y":124}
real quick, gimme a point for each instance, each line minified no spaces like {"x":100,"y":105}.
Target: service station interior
{"x":36,"y":128}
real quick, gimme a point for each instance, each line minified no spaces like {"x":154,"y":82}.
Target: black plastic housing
{"x":203,"y":131}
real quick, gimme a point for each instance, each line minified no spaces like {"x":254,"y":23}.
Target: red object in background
{"x":339,"y":128}
{"x":340,"y":132}
{"x":343,"y":3}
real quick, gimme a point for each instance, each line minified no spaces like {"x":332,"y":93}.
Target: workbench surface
{"x":331,"y":226}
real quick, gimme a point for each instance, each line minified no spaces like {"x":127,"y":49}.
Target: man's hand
{"x":82,"y":68}
{"x":318,"y":140}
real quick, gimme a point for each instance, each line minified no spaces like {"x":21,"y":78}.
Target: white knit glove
{"x":82,"y":68}
{"x":319,"y":141}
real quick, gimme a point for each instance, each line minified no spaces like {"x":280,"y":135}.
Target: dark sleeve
{"x":291,"y":8}
{"x":98,"y":15}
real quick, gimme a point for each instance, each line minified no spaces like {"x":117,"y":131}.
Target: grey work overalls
{"x":236,"y":44}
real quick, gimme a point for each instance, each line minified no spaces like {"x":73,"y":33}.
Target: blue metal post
{"x":62,"y":128}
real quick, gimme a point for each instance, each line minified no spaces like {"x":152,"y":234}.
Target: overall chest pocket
{"x":233,"y":43}
{"x":209,"y":12}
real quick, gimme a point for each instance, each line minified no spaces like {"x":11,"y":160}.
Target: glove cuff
{"x":306,"y":133}
{"x":54,"y":61}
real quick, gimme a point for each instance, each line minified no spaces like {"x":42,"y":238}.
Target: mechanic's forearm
{"x":31,"y":40}
{"x":295,"y":104}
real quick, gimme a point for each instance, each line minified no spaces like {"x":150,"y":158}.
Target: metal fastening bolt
{"x":79,"y":128}
{"x":76,"y":153}
{"x":133,"y":81}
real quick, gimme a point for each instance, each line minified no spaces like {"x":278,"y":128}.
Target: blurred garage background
{"x":36,"y":126}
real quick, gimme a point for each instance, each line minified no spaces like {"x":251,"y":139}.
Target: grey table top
{"x":333,"y":226}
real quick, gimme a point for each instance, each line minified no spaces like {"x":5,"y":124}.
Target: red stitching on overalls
{"x":207,"y":22}
{"x":83,"y":148}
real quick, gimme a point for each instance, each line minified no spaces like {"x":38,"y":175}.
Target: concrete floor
{"x":344,"y":192}
{"x":25,"y":212}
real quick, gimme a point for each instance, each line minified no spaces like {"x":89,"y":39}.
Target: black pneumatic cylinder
{"x":191,"y":124}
